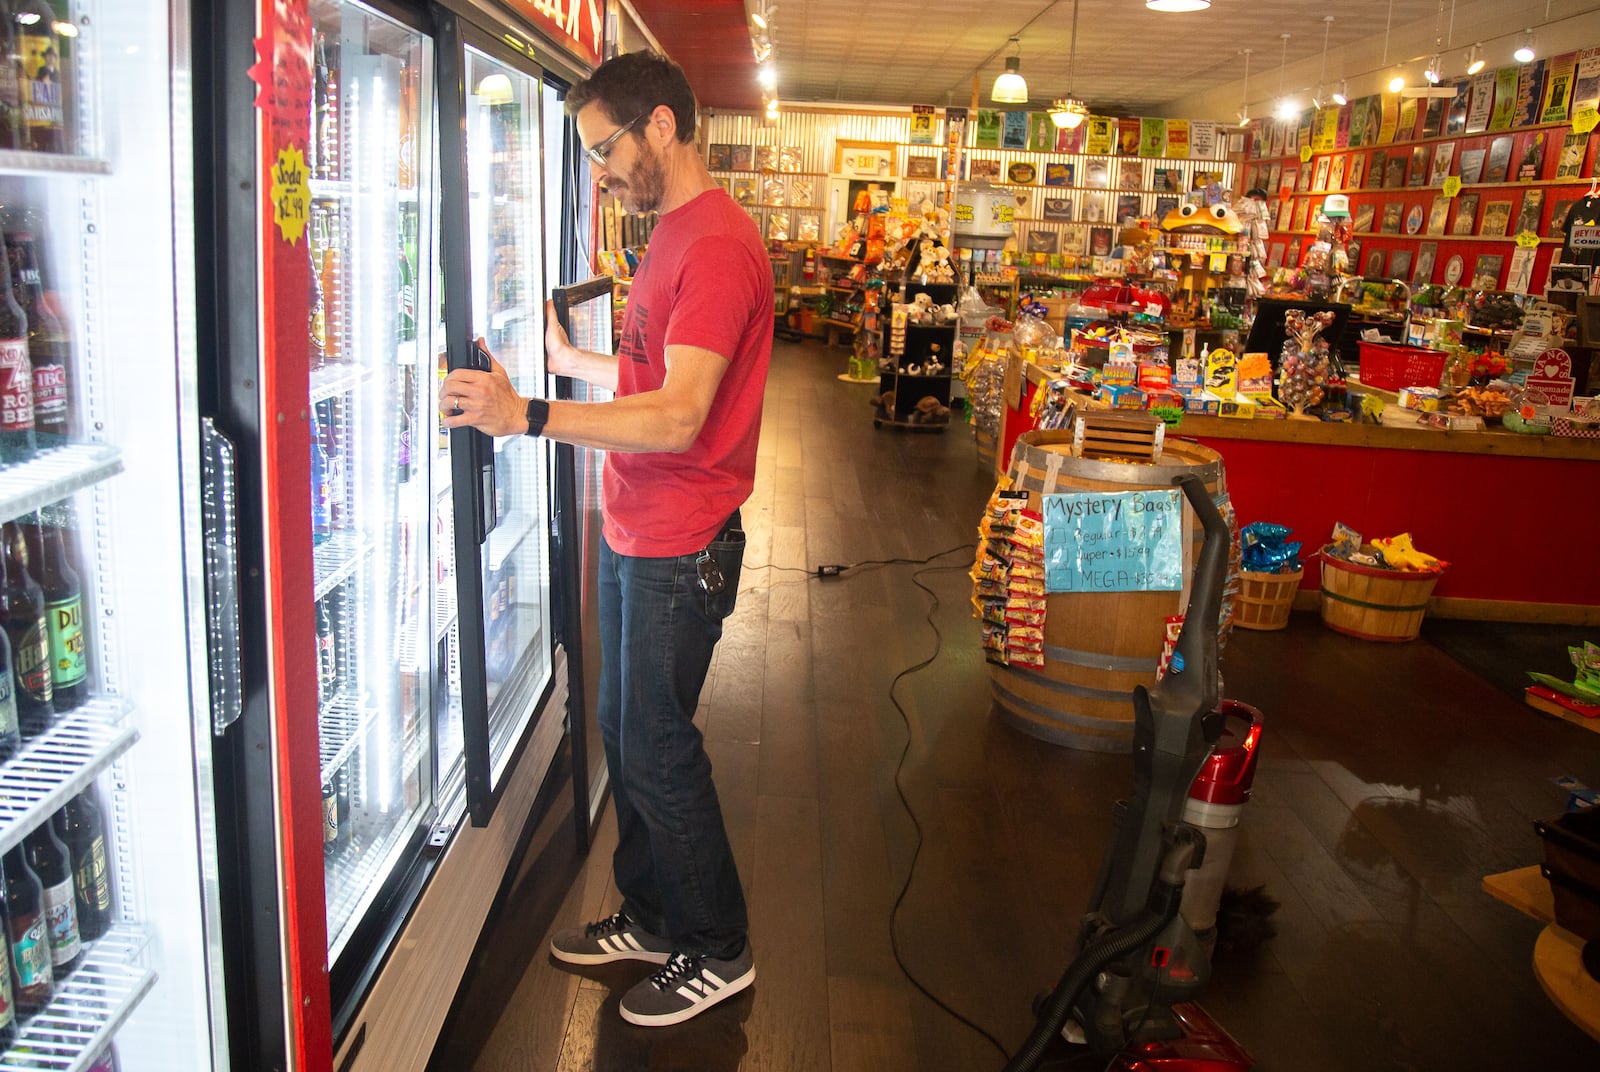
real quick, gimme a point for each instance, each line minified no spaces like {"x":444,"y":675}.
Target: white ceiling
{"x":1130,"y":60}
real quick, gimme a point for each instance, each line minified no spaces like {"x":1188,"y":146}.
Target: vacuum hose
{"x":1085,"y":966}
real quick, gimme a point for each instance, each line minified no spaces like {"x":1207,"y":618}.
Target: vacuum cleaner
{"x":1129,"y":990}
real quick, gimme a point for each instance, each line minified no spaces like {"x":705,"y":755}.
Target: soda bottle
{"x":330,"y":816}
{"x":8,"y":1005}
{"x":48,"y":344}
{"x":49,"y":860}
{"x":79,"y":827}
{"x":16,"y":380}
{"x":42,"y":77}
{"x":105,"y":1060}
{"x":327,"y":654}
{"x":63,"y":607}
{"x":22,"y":608}
{"x":10,"y":90}
{"x":10,"y":731}
{"x":34,"y":982}
{"x":321,"y":514}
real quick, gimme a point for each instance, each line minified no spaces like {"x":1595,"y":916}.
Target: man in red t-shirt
{"x":680,"y":438}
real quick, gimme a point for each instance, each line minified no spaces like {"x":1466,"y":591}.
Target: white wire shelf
{"x":58,"y":764}
{"x":340,"y":724}
{"x":54,"y":474}
{"x":444,"y":608}
{"x":355,"y":869}
{"x":335,"y":559}
{"x":507,"y":537}
{"x":336,"y":378}
{"x":509,"y":315}
{"x":88,"y":1008}
{"x":24,"y":162}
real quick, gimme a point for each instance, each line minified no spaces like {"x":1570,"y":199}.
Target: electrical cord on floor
{"x":839,"y":569}
{"x":894,"y":941}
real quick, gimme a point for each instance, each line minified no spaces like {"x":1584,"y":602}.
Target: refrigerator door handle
{"x":483,"y":461}
{"x":219,"y":511}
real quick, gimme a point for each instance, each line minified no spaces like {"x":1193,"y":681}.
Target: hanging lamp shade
{"x":1068,"y":113}
{"x":1010,"y":87}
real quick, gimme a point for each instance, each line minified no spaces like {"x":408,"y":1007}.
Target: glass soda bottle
{"x":63,"y":606}
{"x":10,"y":730}
{"x":49,"y":346}
{"x":79,"y":826}
{"x":22,"y":608}
{"x":17,"y":443}
{"x":8,"y":1004}
{"x":25,"y":929}
{"x":43,"y":76}
{"x":49,"y":860}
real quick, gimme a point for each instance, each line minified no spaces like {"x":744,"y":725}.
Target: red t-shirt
{"x":705,"y":281}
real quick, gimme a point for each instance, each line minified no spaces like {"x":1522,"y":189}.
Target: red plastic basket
{"x":1390,"y":367}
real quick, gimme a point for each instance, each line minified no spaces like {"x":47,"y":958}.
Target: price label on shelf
{"x":1585,"y":119}
{"x":1305,"y":154}
{"x":1452,"y":185}
{"x":1527,"y":240}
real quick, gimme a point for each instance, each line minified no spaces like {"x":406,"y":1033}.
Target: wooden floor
{"x":1393,"y":779}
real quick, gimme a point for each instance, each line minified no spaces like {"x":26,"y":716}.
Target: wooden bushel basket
{"x":1265,"y":599}
{"x":1374,"y":604}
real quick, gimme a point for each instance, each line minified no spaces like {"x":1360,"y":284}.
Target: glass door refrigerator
{"x":111,"y":906}
{"x":405,"y":692}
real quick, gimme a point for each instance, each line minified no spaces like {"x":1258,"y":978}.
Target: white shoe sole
{"x":667,"y":1019}
{"x":608,"y":958}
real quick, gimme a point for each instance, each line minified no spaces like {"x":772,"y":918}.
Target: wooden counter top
{"x":1494,"y":441}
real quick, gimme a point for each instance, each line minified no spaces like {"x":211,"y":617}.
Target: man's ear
{"x":663,"y":120}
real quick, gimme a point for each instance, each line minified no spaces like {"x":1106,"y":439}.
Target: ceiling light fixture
{"x":1177,"y":5}
{"x":1010,"y":87}
{"x":1434,"y":71}
{"x":1068,"y":112}
{"x":772,"y":109}
{"x":1397,"y":83}
{"x":1327,"y":25}
{"x":1341,"y":96}
{"x":1475,"y":62}
{"x":768,"y":76}
{"x":1244,"y":102}
{"x":1524,"y":52}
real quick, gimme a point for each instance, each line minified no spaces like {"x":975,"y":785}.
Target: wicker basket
{"x":1374,"y":604}
{"x":1265,"y":599}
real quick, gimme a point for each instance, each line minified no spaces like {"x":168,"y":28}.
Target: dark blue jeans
{"x":673,"y":864}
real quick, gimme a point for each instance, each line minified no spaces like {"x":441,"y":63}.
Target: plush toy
{"x":930,"y":410}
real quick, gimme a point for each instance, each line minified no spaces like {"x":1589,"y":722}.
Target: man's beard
{"x":645,"y":187}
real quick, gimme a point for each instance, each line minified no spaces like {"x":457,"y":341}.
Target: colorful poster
{"x":988,"y":135}
{"x":1128,"y":137}
{"x":1203,"y":138}
{"x":1152,"y":136}
{"x":1557,"y":100}
{"x":1113,"y":542}
{"x":1280,"y":137}
{"x":1307,"y":121}
{"x":1406,"y":127}
{"x":1041,"y":132}
{"x":1014,"y":131}
{"x":1178,"y":138}
{"x":1070,"y":139}
{"x":1358,"y":122}
{"x":1391,"y":119}
{"x":1529,"y":79}
{"x":1325,"y":130}
{"x":1341,"y":136}
{"x":1455,"y":116}
{"x":1482,"y":103}
{"x":1586,"y":81}
{"x":1433,"y":118}
{"x":921,"y":124}
{"x":1505,"y":98}
{"x":1101,"y":129}
{"x":955,"y":140}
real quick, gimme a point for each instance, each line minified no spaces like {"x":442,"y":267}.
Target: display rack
{"x":88,"y":1007}
{"x":922,"y":344}
{"x":59,"y":764}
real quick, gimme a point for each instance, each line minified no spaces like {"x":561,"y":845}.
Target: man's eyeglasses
{"x":597,"y":155}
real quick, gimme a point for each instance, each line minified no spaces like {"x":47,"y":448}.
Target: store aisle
{"x":1393,"y":779}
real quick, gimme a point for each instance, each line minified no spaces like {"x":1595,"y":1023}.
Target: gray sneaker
{"x":685,"y":987}
{"x":611,"y":939}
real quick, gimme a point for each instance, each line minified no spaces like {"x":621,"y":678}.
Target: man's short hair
{"x":634,"y":84}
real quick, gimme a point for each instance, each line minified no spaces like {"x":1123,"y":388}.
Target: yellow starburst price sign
{"x":1527,"y":239}
{"x":291,"y":195}
{"x":1585,"y":119}
{"x":1452,"y":186}
{"x":1305,"y":154}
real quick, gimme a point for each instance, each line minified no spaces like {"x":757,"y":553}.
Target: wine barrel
{"x":1097,"y":645}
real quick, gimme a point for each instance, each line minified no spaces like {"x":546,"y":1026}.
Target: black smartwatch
{"x":538,"y":414}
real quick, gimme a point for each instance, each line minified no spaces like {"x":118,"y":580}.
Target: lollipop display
{"x":1304,"y":364}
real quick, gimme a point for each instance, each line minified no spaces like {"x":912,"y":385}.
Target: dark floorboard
{"x":1393,"y":777}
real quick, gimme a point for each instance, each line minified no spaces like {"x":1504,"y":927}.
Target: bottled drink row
{"x":44,"y":658}
{"x":58,"y":898}
{"x":36,"y":110}
{"x":35,"y":402}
